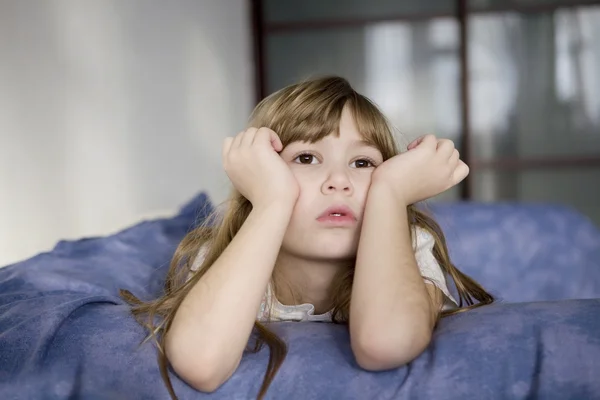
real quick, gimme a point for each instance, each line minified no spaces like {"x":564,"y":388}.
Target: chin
{"x":335,"y":249}
{"x":334,"y":254}
{"x":331,"y":244}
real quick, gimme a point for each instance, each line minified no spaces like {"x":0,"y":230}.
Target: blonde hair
{"x":307,"y":111}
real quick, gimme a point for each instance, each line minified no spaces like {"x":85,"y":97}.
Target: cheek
{"x":362,"y":183}
{"x":309,"y":191}
{"x":307,"y":180}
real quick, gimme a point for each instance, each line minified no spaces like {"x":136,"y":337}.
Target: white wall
{"x":112,"y":111}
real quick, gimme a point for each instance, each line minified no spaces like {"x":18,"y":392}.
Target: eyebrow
{"x":364,"y":143}
{"x":354,"y":143}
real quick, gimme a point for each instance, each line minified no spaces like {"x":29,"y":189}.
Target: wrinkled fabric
{"x":65,"y":333}
{"x":524,"y":252}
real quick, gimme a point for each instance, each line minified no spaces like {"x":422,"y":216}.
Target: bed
{"x":65,"y":333}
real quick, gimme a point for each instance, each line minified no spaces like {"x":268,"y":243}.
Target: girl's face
{"x":334,"y":175}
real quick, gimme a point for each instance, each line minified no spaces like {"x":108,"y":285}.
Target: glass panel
{"x":535,"y":87}
{"x":312,"y":10}
{"x":409,"y":69}
{"x":295,"y":56}
{"x":483,"y":5}
{"x":450,"y":195}
{"x":575,"y":187}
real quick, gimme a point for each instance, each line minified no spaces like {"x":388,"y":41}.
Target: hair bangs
{"x":311,"y":122}
{"x":373,"y":126}
{"x":310,"y":111}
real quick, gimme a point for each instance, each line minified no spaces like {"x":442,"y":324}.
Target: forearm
{"x":212,"y":326}
{"x":391,"y":312}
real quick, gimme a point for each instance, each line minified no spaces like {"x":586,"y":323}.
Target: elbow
{"x":206,"y":383}
{"x":203,"y":369}
{"x":375,"y":352}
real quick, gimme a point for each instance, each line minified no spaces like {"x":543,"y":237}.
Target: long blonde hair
{"x":307,"y":111}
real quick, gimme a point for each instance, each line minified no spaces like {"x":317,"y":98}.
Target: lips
{"x":337,"y":213}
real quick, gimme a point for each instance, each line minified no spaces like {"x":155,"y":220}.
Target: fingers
{"x":248,"y":136}
{"x":427,"y":141}
{"x":454,"y":158}
{"x":233,"y":143}
{"x":460,"y":173}
{"x":276,"y":141}
{"x":251,"y":136}
{"x":445,"y":148}
{"x":237,"y":140}
{"x":458,"y":169}
{"x":227,"y":144}
{"x":271,"y":137}
{"x":414,"y":143}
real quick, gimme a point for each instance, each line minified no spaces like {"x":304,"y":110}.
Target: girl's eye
{"x":363,"y":163}
{"x":306,"y":159}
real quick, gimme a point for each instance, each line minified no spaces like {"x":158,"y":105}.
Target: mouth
{"x":337,"y":215}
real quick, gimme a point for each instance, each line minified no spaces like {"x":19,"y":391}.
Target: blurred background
{"x":114,"y":111}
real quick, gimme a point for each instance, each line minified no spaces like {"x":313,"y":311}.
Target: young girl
{"x":321,"y":226}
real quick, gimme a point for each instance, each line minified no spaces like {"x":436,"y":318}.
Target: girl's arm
{"x":393,"y":312}
{"x":213,"y":324}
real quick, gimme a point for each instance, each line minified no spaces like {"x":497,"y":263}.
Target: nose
{"x":337,"y":181}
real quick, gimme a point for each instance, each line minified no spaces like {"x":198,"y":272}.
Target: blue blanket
{"x":65,"y":333}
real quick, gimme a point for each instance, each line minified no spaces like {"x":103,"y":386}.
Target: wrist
{"x":278,"y":208}
{"x":382,"y":190}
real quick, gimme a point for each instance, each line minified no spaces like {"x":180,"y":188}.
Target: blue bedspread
{"x":65,"y":333}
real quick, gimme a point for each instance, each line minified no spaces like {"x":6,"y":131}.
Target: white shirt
{"x":272,"y":310}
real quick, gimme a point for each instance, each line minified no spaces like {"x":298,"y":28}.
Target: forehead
{"x":349,"y":133}
{"x":354,"y":121}
{"x":342,"y":141}
{"x":348,"y":127}
{"x":345,"y":134}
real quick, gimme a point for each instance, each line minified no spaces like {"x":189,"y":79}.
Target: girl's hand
{"x":256,"y":170}
{"x":429,"y":167}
